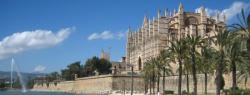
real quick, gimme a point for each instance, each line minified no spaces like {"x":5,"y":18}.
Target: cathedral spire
{"x":224,"y":18}
{"x":145,"y":21}
{"x":217,"y":17}
{"x":203,"y":15}
{"x":174,"y":12}
{"x":129,"y":30}
{"x":159,"y":13}
{"x":128,"y":34}
{"x":165,"y":13}
{"x":203,"y":11}
{"x":180,"y":10}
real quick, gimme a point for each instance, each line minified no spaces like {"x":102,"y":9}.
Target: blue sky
{"x":47,"y":35}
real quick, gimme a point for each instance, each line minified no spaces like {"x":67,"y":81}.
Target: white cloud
{"x":121,"y":35}
{"x":39,"y":69}
{"x":22,"y":41}
{"x":106,"y":35}
{"x":230,"y":12}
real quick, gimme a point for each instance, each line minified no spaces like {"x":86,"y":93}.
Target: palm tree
{"x":187,"y":70}
{"x":178,"y":51}
{"x":242,"y":35}
{"x":234,"y":53}
{"x":244,"y":69}
{"x":159,"y":63}
{"x":150,"y":72}
{"x":244,"y":29}
{"x":193,"y":43}
{"x":147,"y":74}
{"x":163,"y":65}
{"x":222,"y":39}
{"x":207,"y":60}
{"x":155,"y":72}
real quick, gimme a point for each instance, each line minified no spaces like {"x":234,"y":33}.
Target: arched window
{"x":139,"y":63}
{"x":191,"y":21}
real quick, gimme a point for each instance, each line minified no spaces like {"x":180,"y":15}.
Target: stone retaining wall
{"x":95,"y":84}
{"x":109,"y":83}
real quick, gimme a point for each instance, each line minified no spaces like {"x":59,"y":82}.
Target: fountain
{"x":11,"y":74}
{"x":18,"y":74}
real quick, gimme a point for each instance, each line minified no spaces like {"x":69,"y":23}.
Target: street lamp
{"x":132,"y":80}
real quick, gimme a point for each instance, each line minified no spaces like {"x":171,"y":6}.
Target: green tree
{"x":161,"y":63}
{"x":153,"y":62}
{"x":2,"y":84}
{"x":187,"y":69}
{"x":207,"y":61}
{"x":221,"y":41}
{"x":104,"y":67}
{"x":53,"y":76}
{"x":66,"y":74}
{"x":17,"y":83}
{"x":193,"y":43}
{"x":164,"y":59}
{"x":244,"y":68}
{"x":151,"y":72}
{"x":242,"y":35}
{"x":89,"y":66}
{"x":71,"y":70}
{"x":178,"y":51}
{"x":30,"y":83}
{"x":243,"y":27}
{"x":234,"y":53}
{"x":147,"y":74}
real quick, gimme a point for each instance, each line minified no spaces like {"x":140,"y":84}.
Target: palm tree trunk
{"x":153,"y":82}
{"x":163,"y":81}
{"x":219,"y":74}
{"x":187,"y":82}
{"x":248,"y":44}
{"x":194,"y":79}
{"x":234,"y":85}
{"x":150,"y":87}
{"x":205,"y":82}
{"x":194,"y":71}
{"x":146,"y":87}
{"x":158,"y":83}
{"x":180,"y":76}
{"x":218,"y":79}
{"x":153,"y":86}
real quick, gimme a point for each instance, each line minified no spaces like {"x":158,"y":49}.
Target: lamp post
{"x":132,"y":80}
{"x":124,"y":87}
{"x":132,"y":83}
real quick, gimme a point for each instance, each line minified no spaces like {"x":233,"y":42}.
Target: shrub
{"x":240,"y":92}
{"x":168,"y":92}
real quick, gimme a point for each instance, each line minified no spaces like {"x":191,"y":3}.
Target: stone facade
{"x":119,"y":67}
{"x":95,"y":84}
{"x":155,"y":35}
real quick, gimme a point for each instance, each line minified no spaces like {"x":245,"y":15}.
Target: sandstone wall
{"x":171,"y":83}
{"x":109,"y":83}
{"x":65,"y":86}
{"x":95,"y":84}
{"x":124,"y":82}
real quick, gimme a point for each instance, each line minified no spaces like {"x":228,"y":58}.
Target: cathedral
{"x":155,"y":35}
